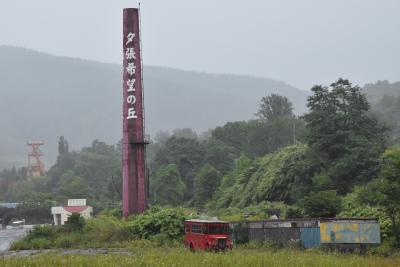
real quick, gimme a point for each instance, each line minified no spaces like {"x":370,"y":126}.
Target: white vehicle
{"x":18,"y":224}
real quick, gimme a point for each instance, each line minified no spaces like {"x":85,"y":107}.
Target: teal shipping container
{"x":310,"y":237}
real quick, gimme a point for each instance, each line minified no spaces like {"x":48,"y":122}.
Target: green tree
{"x":94,"y":165}
{"x":73,"y":186}
{"x":186,"y":154}
{"x":390,"y":176}
{"x":257,"y":138}
{"x":74,"y":223}
{"x":224,"y":195}
{"x":344,"y":134}
{"x":389,"y":110}
{"x":267,"y":137}
{"x":220,"y":155}
{"x":184,"y":133}
{"x":321,"y":204}
{"x":282,"y":176}
{"x":62,"y":146}
{"x":206,"y":182}
{"x":233,"y":134}
{"x":274,"y":106}
{"x":167,"y":187}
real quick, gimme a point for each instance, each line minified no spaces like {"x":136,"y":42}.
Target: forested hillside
{"x":386,"y":99}
{"x":44,"y":96}
{"x":339,"y":159}
{"x":186,"y":169}
{"x":376,"y":91}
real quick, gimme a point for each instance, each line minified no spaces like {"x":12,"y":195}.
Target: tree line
{"x":338,"y":159}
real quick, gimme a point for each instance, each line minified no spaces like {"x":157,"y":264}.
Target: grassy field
{"x":181,"y":257}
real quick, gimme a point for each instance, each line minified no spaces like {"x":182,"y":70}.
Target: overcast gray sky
{"x":301,"y":42}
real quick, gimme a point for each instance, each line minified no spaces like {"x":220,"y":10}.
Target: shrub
{"x":385,"y":249}
{"x":166,"y":221}
{"x":74,"y":223}
{"x":115,"y":212}
{"x":293,"y":212}
{"x":42,"y":231}
{"x":107,"y":229}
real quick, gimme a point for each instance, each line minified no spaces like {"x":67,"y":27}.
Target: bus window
{"x":196,"y":228}
{"x":218,"y":229}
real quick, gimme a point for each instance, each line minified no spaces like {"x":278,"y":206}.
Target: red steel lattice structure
{"x":35,"y":165}
{"x":134,"y":199}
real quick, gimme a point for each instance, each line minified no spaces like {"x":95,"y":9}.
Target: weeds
{"x":162,"y":256}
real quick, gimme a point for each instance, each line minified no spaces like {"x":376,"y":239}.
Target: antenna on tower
{"x":35,"y":165}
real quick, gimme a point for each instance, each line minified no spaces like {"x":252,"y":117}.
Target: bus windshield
{"x":218,"y":229}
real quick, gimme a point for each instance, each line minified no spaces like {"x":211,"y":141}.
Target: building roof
{"x":75,"y":209}
{"x":205,"y":221}
{"x":347,"y":219}
{"x":321,"y":219}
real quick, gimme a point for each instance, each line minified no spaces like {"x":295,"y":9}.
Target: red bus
{"x":207,"y":235}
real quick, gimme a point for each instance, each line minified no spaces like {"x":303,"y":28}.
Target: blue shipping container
{"x":310,"y":237}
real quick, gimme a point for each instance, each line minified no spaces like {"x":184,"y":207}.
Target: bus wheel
{"x":191,"y":247}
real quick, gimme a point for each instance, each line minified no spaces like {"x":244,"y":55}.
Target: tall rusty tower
{"x":134,"y":199}
{"x":35,"y":165}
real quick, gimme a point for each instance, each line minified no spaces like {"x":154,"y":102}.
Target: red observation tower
{"x":35,"y":165}
{"x":134,"y":198}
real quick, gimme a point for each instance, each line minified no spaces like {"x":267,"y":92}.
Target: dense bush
{"x":363,"y":203}
{"x":367,"y":211}
{"x":155,"y":221}
{"x":107,"y":229}
{"x":46,"y":231}
{"x":39,"y":237}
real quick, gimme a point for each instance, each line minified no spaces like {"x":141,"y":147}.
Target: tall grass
{"x":181,"y":257}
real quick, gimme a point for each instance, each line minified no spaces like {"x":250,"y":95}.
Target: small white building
{"x":61,"y":214}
